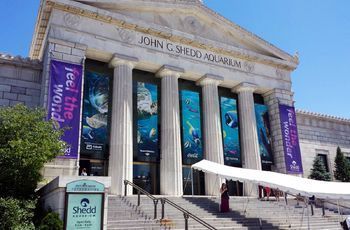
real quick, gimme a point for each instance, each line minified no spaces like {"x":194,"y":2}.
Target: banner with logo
{"x":230,"y":131}
{"x":264,"y":136}
{"x":290,"y":139}
{"x":191,"y":127}
{"x":94,"y":132}
{"x":147,"y":148}
{"x":64,"y":102}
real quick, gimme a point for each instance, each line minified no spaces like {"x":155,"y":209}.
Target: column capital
{"x":244,"y":86}
{"x":121,"y":59}
{"x":210,"y":79}
{"x":168,"y":70}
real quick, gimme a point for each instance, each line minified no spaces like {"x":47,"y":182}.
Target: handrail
{"x":186,"y":213}
{"x":139,"y":190}
{"x":322,"y":200}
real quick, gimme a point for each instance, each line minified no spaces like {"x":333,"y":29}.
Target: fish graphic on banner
{"x":191,"y":127}
{"x":230,"y":131}
{"x":147,"y":121}
{"x":94,"y":137}
{"x":264,"y":136}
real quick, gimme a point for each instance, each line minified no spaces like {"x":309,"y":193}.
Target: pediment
{"x":191,"y":17}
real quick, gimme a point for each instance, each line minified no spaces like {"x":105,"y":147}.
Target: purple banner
{"x":64,"y":102}
{"x":290,"y":139}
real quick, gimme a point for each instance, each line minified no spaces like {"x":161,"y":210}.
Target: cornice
{"x":323,"y":116}
{"x":108,"y":17}
{"x":20,"y":61}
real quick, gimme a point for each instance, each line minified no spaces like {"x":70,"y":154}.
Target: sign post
{"x":84,"y":205}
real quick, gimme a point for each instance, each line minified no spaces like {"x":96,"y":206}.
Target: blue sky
{"x":318,"y":29}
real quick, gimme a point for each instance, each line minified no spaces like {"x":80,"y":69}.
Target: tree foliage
{"x":27,"y":142}
{"x":318,"y":171}
{"x":16,"y":214}
{"x":342,"y":167}
{"x":51,"y":221}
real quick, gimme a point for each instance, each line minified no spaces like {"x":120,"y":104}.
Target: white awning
{"x":287,"y":183}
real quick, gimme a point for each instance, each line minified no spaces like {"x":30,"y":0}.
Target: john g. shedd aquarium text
{"x":189,"y":52}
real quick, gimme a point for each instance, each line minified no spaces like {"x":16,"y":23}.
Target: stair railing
{"x":139,"y":191}
{"x":186,"y":214}
{"x":163,"y":201}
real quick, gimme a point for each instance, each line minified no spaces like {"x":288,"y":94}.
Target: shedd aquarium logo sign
{"x":84,"y":208}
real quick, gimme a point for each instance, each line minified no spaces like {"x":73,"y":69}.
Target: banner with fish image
{"x":64,"y":99}
{"x":147,"y":148}
{"x":94,"y":137}
{"x":191,"y":127}
{"x":230,"y":131}
{"x":264,"y":135}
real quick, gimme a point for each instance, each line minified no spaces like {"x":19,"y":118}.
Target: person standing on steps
{"x":224,"y":207}
{"x":267,"y":192}
{"x":83,"y":172}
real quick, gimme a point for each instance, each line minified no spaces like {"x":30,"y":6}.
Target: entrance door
{"x":93,"y":167}
{"x":146,"y":176}
{"x":198,"y":181}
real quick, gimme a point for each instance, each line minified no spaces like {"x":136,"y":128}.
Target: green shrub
{"x":51,"y":221}
{"x":16,"y":214}
{"x":27,"y":142}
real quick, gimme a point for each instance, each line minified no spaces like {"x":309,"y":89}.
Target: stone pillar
{"x":121,"y":144}
{"x":66,"y":52}
{"x":171,"y":158}
{"x":212,"y":129}
{"x":272,"y":99}
{"x":248,"y":132}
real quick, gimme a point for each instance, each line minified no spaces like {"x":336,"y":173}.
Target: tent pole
{"x":192,"y":180}
{"x":307,"y":211}
{"x":286,"y":209}
{"x":339,"y":217}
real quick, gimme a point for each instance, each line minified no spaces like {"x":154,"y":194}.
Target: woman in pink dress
{"x":224,"y":207}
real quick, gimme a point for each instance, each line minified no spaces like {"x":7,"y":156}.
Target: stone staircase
{"x":246,"y":213}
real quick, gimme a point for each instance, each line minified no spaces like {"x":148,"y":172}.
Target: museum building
{"x":150,"y":87}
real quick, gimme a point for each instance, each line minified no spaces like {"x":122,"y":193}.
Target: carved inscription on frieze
{"x":187,"y":51}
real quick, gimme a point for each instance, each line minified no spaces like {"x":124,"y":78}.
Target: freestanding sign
{"x":290,"y":140}
{"x":84,"y":205}
{"x":64,"y":102}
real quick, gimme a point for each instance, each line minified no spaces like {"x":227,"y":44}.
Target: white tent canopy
{"x":287,"y":183}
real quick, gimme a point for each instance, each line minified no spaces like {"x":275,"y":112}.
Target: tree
{"x":318,"y":171}
{"x":27,"y":142}
{"x":342,"y":167}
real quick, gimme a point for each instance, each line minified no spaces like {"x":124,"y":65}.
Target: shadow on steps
{"x":210,"y":206}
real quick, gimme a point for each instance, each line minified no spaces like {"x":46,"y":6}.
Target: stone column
{"x":121,"y":143}
{"x":248,"y":132}
{"x":212,"y":129}
{"x":171,"y":158}
{"x":272,"y":99}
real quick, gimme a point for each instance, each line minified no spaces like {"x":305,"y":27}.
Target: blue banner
{"x":264,"y":135}
{"x":191,"y":127}
{"x":95,"y":113}
{"x":230,"y":131}
{"x":147,"y":148}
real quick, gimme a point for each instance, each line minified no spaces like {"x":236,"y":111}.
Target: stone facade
{"x":171,"y":39}
{"x":19,"y":81}
{"x":322,"y":134}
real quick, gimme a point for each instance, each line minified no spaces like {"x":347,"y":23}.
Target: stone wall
{"x":322,"y":134}
{"x":20,"y":80}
